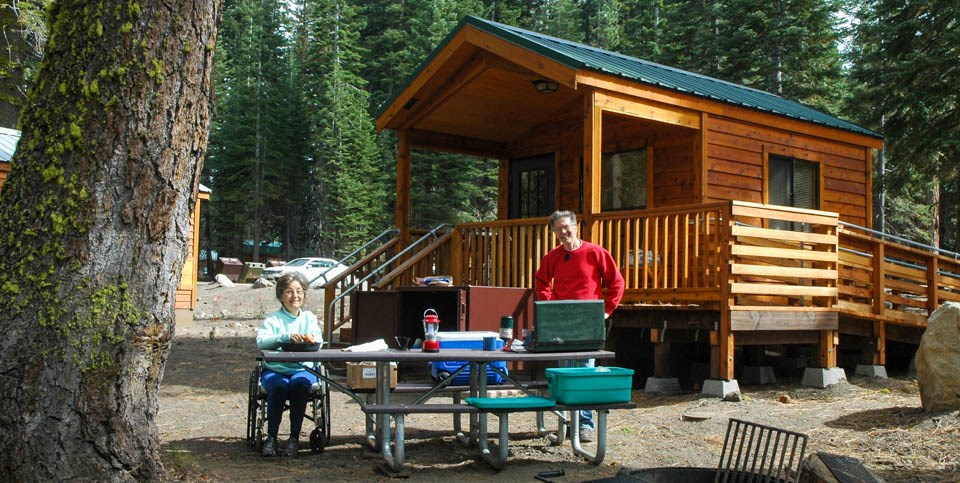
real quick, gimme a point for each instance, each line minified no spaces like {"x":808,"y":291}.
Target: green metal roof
{"x":580,"y":56}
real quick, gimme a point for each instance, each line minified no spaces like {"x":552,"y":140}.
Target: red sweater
{"x":580,"y":275}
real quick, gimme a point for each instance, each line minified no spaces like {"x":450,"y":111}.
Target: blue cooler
{"x":472,"y":340}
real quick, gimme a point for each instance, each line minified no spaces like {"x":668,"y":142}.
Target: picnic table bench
{"x":502,"y":408}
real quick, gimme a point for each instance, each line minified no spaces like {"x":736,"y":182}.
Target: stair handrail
{"x":388,"y":231}
{"x":328,"y":328}
{"x":905,"y":241}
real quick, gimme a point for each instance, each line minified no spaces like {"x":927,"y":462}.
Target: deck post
{"x":933,"y":270}
{"x":828,"y":348}
{"x":403,"y":188}
{"x":661,"y":353}
{"x":877,"y":281}
{"x":592,"y":143}
{"x":721,"y":358}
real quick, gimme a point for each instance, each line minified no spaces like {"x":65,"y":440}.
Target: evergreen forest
{"x":295,"y":162}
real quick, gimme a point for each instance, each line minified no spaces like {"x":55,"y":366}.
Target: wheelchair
{"x":318,"y":411}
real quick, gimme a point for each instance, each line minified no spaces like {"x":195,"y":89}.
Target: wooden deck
{"x":771,"y":274}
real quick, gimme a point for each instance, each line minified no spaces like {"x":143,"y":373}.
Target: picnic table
{"x":382,"y":409}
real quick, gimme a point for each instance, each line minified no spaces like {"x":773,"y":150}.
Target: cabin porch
{"x":713,"y":287}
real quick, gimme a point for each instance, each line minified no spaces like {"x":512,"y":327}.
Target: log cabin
{"x":186,"y":301}
{"x":741,"y":220}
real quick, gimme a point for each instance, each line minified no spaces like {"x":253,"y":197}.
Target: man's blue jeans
{"x":586,"y":417}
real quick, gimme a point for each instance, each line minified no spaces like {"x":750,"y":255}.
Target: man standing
{"x":578,"y":270}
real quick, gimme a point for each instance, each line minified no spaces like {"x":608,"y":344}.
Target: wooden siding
{"x":673,"y":148}
{"x":673,"y":168}
{"x":4,"y":171}
{"x":187,"y":290}
{"x":737,"y":151}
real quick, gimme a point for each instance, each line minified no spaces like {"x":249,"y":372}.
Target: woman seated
{"x":286,"y":381}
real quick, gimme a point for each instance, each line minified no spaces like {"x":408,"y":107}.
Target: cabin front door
{"x":532,"y":187}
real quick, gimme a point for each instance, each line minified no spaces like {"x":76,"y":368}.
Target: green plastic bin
{"x":590,"y":385}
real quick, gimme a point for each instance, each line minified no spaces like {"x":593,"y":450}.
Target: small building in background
{"x":8,"y":145}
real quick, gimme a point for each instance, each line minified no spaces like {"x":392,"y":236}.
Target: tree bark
{"x":94,"y":224}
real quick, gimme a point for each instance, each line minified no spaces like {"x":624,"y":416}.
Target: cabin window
{"x":793,"y":182}
{"x":531,"y":187}
{"x":623,"y":181}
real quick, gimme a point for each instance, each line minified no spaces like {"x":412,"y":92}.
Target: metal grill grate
{"x":847,"y":469}
{"x":754,"y":452}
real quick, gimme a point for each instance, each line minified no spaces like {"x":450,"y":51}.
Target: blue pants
{"x":281,"y":388}
{"x":586,"y":417}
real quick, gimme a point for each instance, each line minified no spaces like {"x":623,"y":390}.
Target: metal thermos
{"x":506,"y":327}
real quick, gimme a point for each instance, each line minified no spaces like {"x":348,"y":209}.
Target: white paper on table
{"x":372,"y":346}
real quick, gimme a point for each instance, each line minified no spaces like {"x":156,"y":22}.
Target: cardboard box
{"x":363,"y":375}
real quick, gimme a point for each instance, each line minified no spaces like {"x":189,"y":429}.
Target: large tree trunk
{"x":94,"y":221}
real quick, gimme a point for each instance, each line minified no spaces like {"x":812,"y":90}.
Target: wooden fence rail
{"x":888,"y":281}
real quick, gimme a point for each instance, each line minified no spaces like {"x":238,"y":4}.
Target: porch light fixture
{"x":545,"y":86}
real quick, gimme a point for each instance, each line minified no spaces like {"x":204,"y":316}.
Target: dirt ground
{"x":203,"y":411}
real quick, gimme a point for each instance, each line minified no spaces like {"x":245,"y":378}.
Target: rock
{"x":938,"y":360}
{"x":733,"y":397}
{"x":785,"y":399}
{"x":223,"y":280}
{"x":697,"y":415}
{"x":263,"y":283}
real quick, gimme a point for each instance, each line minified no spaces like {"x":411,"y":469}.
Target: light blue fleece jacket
{"x":276,"y":329}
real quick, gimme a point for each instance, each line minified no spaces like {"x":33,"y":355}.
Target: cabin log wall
{"x":737,"y":151}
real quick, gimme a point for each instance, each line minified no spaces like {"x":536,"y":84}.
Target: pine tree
{"x":789,"y":48}
{"x":905,"y":61}
{"x":603,"y":24}
{"x":346,"y":208}
{"x":250,"y":170}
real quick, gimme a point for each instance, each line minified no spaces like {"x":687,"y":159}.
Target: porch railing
{"x":359,"y":276}
{"x":676,"y":255}
{"x":502,"y":253}
{"x":750,"y":259}
{"x":668,"y":255}
{"x":888,"y":281}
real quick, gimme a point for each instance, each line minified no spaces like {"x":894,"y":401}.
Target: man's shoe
{"x":292,"y":447}
{"x":269,"y":447}
{"x":586,"y":435}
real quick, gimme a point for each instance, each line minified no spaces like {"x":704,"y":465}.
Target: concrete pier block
{"x":662,"y":385}
{"x":728,"y":390}
{"x":875,"y":371}
{"x":823,"y":378}
{"x":758,"y":375}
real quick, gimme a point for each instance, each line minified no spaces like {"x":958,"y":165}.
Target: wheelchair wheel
{"x":325,"y":414}
{"x":253,"y":403}
{"x":317,"y":440}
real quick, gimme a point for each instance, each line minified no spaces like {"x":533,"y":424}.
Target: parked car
{"x":321,"y":269}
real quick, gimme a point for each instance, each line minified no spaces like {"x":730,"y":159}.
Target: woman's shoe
{"x":269,"y":447}
{"x":292,"y":447}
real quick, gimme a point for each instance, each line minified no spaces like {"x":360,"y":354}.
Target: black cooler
{"x":567,"y":325}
